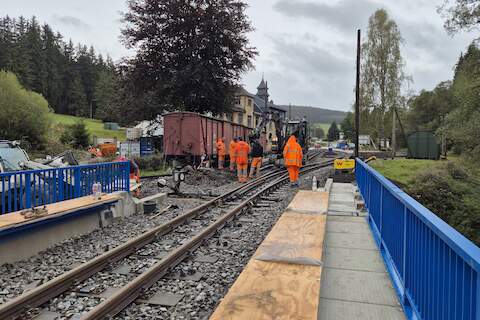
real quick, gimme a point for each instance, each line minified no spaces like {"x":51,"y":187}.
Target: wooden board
{"x":10,"y":219}
{"x":268,"y":290}
{"x":310,"y":202}
{"x":295,"y":235}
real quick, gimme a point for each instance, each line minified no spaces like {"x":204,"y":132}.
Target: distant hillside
{"x":316,"y":115}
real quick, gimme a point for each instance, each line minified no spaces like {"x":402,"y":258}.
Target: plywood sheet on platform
{"x":266,"y":291}
{"x":279,"y":289}
{"x":295,"y":236}
{"x":10,"y":219}
{"x":310,"y":202}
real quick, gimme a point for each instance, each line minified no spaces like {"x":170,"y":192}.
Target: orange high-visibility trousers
{"x":293,"y":173}
{"x":242,"y":172}
{"x":255,"y":166}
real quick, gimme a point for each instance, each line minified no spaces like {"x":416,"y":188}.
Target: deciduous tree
{"x":190,"y":53}
{"x":382,"y":70}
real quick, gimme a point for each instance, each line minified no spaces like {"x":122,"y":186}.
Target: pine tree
{"x":333,"y":132}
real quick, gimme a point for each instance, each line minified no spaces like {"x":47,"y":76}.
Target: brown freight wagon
{"x":188,"y":136}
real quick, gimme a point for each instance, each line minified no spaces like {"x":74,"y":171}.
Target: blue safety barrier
{"x":27,"y":189}
{"x":435,"y":269}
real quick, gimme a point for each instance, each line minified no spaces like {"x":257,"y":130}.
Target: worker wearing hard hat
{"x":257,"y":158}
{"x":221,"y":152}
{"x":242,"y":150}
{"x":292,"y":154}
{"x":231,"y":151}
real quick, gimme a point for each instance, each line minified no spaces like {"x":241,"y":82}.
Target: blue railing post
{"x":60,"y":186}
{"x":77,"y":182}
{"x":28,"y":190}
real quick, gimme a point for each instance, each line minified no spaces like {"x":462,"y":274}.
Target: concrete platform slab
{"x":348,"y":227}
{"x":348,"y":310}
{"x":358,"y":286}
{"x":354,"y":219}
{"x":353,"y":259}
{"x":353,"y":241}
{"x":341,"y":207}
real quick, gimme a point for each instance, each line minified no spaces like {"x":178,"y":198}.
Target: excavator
{"x":284,"y":128}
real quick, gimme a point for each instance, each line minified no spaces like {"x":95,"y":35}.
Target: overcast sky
{"x":307,"y":47}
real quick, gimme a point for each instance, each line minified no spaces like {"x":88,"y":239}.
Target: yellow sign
{"x":344,"y":164}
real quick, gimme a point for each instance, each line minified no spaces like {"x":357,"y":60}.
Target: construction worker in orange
{"x":257,"y":158}
{"x":242,"y":150}
{"x":233,"y":157}
{"x":221,"y":152}
{"x":292,"y":154}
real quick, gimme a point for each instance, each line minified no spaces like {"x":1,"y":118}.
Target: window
{"x":240,"y":118}
{"x":230,"y":117}
{"x":249,"y":102}
{"x":238,"y":101}
{"x":249,"y":121}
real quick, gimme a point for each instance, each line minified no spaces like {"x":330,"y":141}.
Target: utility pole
{"x":357,"y":97}
{"x":394,"y":129}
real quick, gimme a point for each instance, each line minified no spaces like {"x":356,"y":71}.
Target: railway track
{"x":213,"y":220}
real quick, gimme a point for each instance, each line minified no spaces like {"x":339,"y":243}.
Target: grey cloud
{"x":321,"y":75}
{"x":305,"y":57}
{"x":71,"y":21}
{"x":344,"y":15}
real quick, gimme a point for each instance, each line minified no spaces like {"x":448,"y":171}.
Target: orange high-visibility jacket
{"x":220,"y":147}
{"x":292,"y":153}
{"x":242,"y":150}
{"x":232,"y":148}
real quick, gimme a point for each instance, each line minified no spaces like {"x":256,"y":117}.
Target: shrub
{"x":154,"y":162}
{"x":23,"y":114}
{"x":451,"y":194}
{"x":76,"y":135}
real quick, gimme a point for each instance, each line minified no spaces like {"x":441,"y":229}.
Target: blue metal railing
{"x":435,"y":269}
{"x":26,"y":189}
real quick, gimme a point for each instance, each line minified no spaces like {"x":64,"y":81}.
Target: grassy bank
{"x":448,"y":188}
{"x":402,"y":171}
{"x":94,"y":127}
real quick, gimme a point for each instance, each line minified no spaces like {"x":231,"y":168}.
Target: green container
{"x":423,"y":145}
{"x":111,"y":126}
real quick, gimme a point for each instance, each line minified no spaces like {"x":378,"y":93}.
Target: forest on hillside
{"x":316,"y":115}
{"x":73,"y":78}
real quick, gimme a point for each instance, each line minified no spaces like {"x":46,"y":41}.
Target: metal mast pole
{"x":357,"y":98}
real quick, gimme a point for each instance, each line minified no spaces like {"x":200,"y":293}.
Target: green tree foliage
{"x":333,"y":132}
{"x":76,"y":135}
{"x":382,"y":72}
{"x":427,"y":110}
{"x":23,"y":113}
{"x":460,"y":15}
{"x":451,"y":194}
{"x":66,"y":76}
{"x":348,"y":126}
{"x":190,"y":54}
{"x":318,"y":133}
{"x":462,"y":123}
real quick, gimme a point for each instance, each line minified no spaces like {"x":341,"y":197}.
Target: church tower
{"x":262,"y":90}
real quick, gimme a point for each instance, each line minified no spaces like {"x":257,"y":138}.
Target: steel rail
{"x":130,"y":292}
{"x":56,"y":286}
